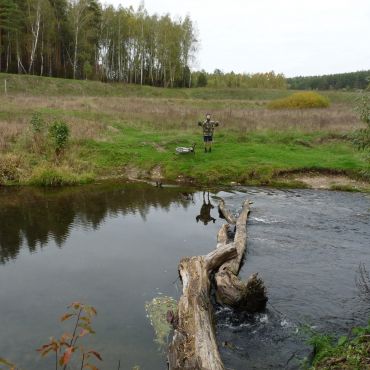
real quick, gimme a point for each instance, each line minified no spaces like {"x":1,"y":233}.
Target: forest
{"x":81,"y":39}
{"x":348,"y":81}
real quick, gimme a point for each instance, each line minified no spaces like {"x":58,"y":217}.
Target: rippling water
{"x":118,"y":246}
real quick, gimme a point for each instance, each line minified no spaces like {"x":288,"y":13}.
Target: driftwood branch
{"x":194,"y":343}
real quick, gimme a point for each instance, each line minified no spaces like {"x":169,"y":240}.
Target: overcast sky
{"x":295,"y":37}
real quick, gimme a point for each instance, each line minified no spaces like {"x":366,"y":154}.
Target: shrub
{"x":38,"y":129}
{"x":300,"y":100}
{"x":59,"y":132}
{"x":361,"y":137}
{"x":37,"y":123}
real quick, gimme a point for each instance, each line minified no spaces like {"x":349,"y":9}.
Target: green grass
{"x":348,"y":352}
{"x":122,"y":130}
{"x":257,"y":158}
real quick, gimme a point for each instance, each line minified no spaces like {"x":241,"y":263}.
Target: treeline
{"x":350,"y":80}
{"x":269,"y":80}
{"x":82,"y":39}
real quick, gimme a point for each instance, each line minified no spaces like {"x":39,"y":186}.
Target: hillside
{"x":128,"y":131}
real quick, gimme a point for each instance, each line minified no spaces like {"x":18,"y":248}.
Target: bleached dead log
{"x":194,"y":343}
{"x":231,"y":291}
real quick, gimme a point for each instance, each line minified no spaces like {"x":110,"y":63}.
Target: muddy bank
{"x":305,"y":179}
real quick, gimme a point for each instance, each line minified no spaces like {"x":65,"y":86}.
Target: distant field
{"x":34,"y":85}
{"x":126,"y":130}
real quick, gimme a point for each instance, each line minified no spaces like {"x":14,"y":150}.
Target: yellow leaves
{"x":301,"y":100}
{"x":83,"y":333}
{"x":5,"y":362}
{"x":89,"y":366}
{"x":75,"y":305}
{"x":53,"y":345}
{"x":66,"y":316}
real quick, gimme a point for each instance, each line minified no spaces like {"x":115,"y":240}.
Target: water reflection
{"x":205,"y":211}
{"x":33,"y":217}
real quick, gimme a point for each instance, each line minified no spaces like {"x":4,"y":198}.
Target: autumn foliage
{"x":300,"y":100}
{"x":69,"y":346}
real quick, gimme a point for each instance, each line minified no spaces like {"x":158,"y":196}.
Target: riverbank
{"x":131,"y":132}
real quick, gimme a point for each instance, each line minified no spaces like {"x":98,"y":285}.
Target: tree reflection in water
{"x":31,"y":217}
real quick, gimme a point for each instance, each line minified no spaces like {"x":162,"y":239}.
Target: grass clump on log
{"x":300,"y":100}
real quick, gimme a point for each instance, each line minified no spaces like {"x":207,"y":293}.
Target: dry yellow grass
{"x":9,"y":131}
{"x":89,"y":117}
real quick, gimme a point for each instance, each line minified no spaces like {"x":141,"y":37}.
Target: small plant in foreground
{"x":59,"y":132}
{"x":69,"y":344}
{"x":349,"y":351}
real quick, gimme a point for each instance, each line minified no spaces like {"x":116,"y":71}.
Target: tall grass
{"x":135,"y":129}
{"x":89,"y":117}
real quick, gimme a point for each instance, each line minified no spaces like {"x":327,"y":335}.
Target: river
{"x":117,"y":246}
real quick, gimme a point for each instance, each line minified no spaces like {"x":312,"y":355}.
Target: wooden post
{"x":5,"y":87}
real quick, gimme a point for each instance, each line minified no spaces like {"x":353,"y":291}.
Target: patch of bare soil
{"x":133,"y":173}
{"x":156,"y":146}
{"x":159,"y":148}
{"x":327,"y":181}
{"x":156,"y":173}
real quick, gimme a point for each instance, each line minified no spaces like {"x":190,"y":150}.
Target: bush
{"x":301,"y":100}
{"x":38,"y":130}
{"x":361,"y":137}
{"x":59,"y":132}
{"x":37,"y":123}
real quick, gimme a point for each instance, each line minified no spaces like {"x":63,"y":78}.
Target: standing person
{"x":208,"y":129}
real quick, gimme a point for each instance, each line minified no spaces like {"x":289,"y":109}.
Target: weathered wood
{"x":231,"y":291}
{"x":194,"y":343}
{"x":225,"y":213}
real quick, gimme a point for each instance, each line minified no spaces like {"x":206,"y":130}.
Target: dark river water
{"x":117,"y":247}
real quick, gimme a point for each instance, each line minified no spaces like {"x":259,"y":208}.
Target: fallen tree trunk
{"x":231,"y":291}
{"x":194,"y":343}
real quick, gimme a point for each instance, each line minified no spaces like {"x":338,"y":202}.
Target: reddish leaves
{"x":67,"y":344}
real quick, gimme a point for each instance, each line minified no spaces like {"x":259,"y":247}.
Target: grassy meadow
{"x":132,"y":132}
